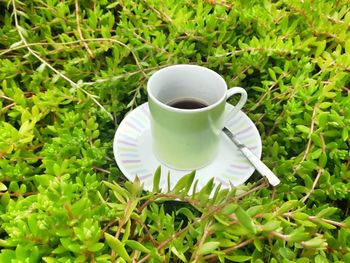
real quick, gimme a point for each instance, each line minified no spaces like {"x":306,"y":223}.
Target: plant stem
{"x":79,"y":29}
{"x":319,"y":173}
{"x":308,"y":146}
{"x":201,"y":242}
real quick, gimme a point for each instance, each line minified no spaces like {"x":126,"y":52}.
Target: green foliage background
{"x":70,"y":71}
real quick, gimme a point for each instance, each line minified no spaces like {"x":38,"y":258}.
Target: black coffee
{"x":187,"y":103}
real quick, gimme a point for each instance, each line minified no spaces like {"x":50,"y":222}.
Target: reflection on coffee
{"x":187,"y":103}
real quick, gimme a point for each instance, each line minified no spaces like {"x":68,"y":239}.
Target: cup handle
{"x":227,"y":116}
{"x":240,"y":104}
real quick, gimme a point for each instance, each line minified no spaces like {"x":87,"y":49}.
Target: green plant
{"x":69,"y":72}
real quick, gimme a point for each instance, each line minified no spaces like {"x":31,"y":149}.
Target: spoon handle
{"x":255,"y":161}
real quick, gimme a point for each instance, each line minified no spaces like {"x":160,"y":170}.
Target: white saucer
{"x":133,"y":152}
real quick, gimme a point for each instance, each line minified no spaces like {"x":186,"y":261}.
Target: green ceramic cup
{"x":188,"y":139}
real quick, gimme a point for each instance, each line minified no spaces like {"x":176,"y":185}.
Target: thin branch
{"x":279,"y":235}
{"x":134,"y":257}
{"x":17,"y":194}
{"x":161,"y":15}
{"x":273,"y":195}
{"x":53,"y":44}
{"x":242,"y":72}
{"x":110,"y":224}
{"x":328,"y":221}
{"x":148,"y":232}
{"x":164,"y":244}
{"x":231,"y":249}
{"x":8,"y":106}
{"x":128,"y":74}
{"x":264,"y":184}
{"x":257,"y":49}
{"x":79,"y":29}
{"x":320,"y":171}
{"x":6,"y":98}
{"x":201,"y":242}
{"x":256,"y":105}
{"x":335,"y":20}
{"x":166,"y":195}
{"x":67,"y":207}
{"x":308,"y":146}
{"x":101,"y":170}
{"x":121,"y":223}
{"x":290,"y":215}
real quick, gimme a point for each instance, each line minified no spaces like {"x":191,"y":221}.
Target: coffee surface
{"x":187,"y":103}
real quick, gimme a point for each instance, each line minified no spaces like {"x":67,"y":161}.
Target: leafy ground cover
{"x":69,"y":72}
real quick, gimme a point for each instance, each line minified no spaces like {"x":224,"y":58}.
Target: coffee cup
{"x":188,"y":112}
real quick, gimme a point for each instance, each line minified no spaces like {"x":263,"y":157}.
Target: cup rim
{"x":173,"y":109}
